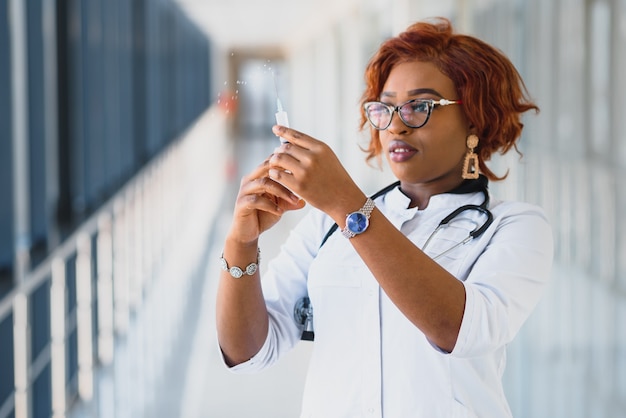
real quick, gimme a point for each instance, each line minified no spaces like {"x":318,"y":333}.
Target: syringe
{"x":281,"y":115}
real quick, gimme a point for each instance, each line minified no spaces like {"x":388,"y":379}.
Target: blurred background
{"x":126,"y":125}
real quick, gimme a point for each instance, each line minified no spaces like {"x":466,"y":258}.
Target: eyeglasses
{"x":414,"y":113}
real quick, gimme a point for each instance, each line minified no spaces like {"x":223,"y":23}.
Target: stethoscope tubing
{"x":478,"y":231}
{"x":303,"y":311}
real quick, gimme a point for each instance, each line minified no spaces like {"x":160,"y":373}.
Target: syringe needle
{"x":281,"y":115}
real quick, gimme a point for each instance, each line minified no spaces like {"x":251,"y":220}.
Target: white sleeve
{"x":284,"y":283}
{"x":507,"y":279}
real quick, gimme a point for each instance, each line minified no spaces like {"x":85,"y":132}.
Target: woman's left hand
{"x":310,"y":168}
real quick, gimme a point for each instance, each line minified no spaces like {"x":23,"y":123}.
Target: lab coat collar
{"x":469,"y":192}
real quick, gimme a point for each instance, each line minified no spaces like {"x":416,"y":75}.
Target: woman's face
{"x":433,"y":154}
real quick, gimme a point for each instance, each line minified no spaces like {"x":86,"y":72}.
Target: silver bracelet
{"x":237,"y":272}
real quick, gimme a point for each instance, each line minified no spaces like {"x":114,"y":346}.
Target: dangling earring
{"x":470,"y":166}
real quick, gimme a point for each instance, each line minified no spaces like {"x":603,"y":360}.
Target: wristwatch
{"x":357,"y":222}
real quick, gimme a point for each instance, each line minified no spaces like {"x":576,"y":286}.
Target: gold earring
{"x":470,"y":165}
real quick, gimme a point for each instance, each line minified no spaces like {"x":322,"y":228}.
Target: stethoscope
{"x":303,"y":310}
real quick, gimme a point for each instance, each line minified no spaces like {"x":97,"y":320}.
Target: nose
{"x":397,"y":126}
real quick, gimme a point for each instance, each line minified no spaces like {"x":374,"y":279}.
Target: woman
{"x":409,"y":321}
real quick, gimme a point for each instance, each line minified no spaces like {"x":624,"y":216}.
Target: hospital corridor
{"x":127,"y":126}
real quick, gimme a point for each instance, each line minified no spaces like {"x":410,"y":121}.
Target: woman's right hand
{"x":260,"y":204}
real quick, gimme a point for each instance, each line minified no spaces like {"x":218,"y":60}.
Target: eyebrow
{"x":415,"y":92}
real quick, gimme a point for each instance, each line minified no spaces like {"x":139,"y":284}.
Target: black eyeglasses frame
{"x":430,"y":105}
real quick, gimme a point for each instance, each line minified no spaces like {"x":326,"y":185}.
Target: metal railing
{"x":62,"y":322}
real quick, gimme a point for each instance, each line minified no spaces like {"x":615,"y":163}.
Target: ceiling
{"x":234,"y":24}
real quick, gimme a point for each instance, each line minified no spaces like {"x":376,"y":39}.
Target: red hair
{"x":492,"y":91}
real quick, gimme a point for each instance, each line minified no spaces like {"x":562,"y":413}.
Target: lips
{"x":400,"y":151}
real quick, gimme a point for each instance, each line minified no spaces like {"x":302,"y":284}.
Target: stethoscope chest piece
{"x":303,"y":315}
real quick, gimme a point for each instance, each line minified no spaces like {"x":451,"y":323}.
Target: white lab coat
{"x":368,"y":360}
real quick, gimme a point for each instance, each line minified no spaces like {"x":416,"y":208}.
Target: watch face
{"x":357,"y":222}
